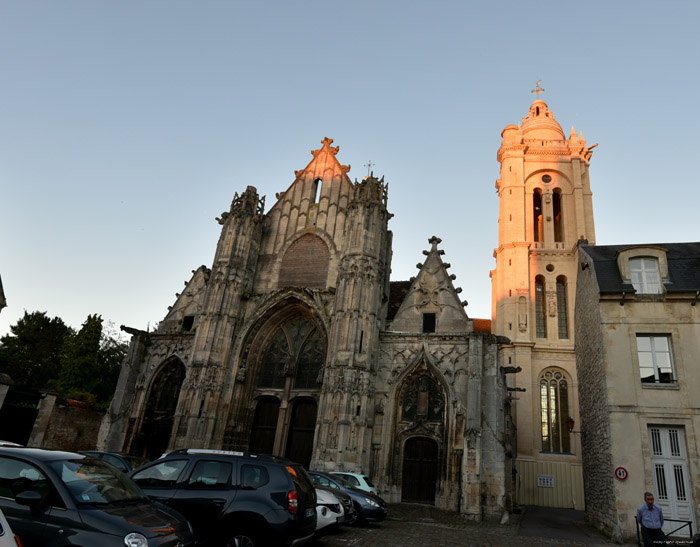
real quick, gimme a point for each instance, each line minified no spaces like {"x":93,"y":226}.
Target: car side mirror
{"x":30,"y":498}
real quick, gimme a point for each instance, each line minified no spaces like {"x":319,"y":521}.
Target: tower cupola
{"x":540,"y":123}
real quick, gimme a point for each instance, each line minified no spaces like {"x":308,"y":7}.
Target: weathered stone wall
{"x":592,"y":387}
{"x":72,"y":427}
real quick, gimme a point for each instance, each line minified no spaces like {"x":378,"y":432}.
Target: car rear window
{"x":254,"y":476}
{"x":301,"y":478}
{"x":369,"y":482}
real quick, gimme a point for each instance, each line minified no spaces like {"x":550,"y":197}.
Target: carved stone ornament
{"x":552,"y":305}
{"x":240,"y":377}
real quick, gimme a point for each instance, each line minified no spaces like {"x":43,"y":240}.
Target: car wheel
{"x":358,"y":513}
{"x":242,"y":539}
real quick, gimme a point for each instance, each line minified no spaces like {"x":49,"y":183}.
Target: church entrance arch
{"x":286,"y":353}
{"x":159,"y":411}
{"x":420,"y":469}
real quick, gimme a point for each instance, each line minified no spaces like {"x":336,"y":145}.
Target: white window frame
{"x":645,"y":275}
{"x":654,"y":356}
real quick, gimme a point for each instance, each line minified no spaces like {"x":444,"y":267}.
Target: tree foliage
{"x":32,"y":355}
{"x":45,"y":353}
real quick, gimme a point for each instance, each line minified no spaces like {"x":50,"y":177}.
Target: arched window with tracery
{"x":554,"y":410}
{"x":297,"y":348}
{"x":423,"y":399}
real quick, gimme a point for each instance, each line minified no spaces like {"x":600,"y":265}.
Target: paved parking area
{"x":420,"y":526}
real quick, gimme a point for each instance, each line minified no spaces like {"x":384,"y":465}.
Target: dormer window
{"x":644,"y":273}
{"x":645,"y":268}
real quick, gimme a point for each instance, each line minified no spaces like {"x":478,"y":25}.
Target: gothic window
{"x":538,"y":226}
{"x":554,"y":409}
{"x":557,"y":214}
{"x":540,"y":310}
{"x":310,"y":360}
{"x":562,"y":316}
{"x":645,"y":275}
{"x":274,"y":361}
{"x":297,"y":348}
{"x":423,"y":399}
{"x":317,"y":190}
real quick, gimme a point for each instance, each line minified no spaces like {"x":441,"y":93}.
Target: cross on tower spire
{"x":538,"y":90}
{"x":369,"y":166}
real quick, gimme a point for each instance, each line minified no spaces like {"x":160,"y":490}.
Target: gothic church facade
{"x":295,"y":342}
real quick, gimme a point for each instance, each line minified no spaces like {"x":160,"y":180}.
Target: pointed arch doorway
{"x":159,"y":413}
{"x":286,"y":375}
{"x":420,"y":469}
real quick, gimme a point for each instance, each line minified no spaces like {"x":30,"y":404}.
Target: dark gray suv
{"x":57,"y":499}
{"x":234,"y":498}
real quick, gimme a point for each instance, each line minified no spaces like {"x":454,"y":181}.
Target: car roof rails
{"x":237,"y":453}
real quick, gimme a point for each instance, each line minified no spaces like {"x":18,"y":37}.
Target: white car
{"x":7,"y":536}
{"x":358,"y":480}
{"x":329,"y":510}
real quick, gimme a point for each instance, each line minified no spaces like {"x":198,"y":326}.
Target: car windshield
{"x":92,"y":481}
{"x":343,"y":482}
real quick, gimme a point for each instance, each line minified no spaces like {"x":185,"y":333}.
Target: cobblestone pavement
{"x":421,"y":526}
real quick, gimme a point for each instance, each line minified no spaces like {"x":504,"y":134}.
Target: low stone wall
{"x":66,"y":425}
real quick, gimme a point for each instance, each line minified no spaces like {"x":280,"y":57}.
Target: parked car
{"x":53,"y":498}
{"x":234,"y":498}
{"x":329,"y":510}
{"x":345,"y":500}
{"x":358,"y":480}
{"x":370,"y":508}
{"x":7,"y":536}
{"x":124,"y":462}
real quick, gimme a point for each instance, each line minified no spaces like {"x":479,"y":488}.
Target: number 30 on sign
{"x":621,"y":473}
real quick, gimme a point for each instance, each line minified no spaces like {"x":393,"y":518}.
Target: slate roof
{"x":683,"y":266}
{"x":397,"y":292}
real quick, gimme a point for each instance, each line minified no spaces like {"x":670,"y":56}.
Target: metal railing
{"x":673,"y":533}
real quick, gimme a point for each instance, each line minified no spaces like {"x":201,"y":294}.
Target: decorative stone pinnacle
{"x":434,"y":241}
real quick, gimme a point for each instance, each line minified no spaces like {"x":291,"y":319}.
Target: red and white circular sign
{"x":621,"y":473}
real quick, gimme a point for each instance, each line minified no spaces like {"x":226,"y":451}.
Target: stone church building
{"x":296,"y":342}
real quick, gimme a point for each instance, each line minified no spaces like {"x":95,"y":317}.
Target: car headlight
{"x":371,"y":502}
{"x":135,"y":539}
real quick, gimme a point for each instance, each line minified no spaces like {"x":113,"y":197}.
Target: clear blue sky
{"x":126,"y":127}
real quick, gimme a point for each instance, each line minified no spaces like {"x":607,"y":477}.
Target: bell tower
{"x":545,"y":209}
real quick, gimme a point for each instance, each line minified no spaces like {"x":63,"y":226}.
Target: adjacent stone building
{"x":545,"y":208}
{"x":637,"y":348}
{"x":296,"y":342}
{"x":3,"y":301}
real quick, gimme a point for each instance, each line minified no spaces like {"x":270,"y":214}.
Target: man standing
{"x":651,"y":519}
